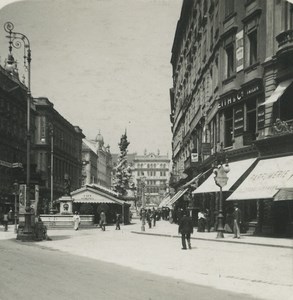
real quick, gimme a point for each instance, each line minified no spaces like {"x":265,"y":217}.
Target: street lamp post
{"x":143,"y":212}
{"x":16,"y":187}
{"x":221,"y":179}
{"x":51,"y":133}
{"x":17,"y":40}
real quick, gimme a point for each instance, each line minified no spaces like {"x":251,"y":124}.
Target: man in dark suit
{"x":236,"y":221}
{"x":185,"y":229}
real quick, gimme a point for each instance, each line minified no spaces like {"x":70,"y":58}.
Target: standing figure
{"x":154,"y":216}
{"x":208,"y":220}
{"x":103,"y":220}
{"x":185,"y":229}
{"x":201,"y":221}
{"x":236,"y":221}
{"x":5,"y":221}
{"x":117,"y":221}
{"x":149,"y":218}
{"x":76,"y":220}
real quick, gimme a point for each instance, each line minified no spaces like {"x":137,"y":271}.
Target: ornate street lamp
{"x":17,"y":40}
{"x":221,"y":180}
{"x":51,"y":134}
{"x":143,"y":212}
{"x":16,"y":192}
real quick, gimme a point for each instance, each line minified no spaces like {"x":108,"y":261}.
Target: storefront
{"x":265,"y":192}
{"x":93,"y":199}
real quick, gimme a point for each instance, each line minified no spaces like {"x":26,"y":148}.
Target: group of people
{"x":102,"y":223}
{"x":151,"y":216}
{"x":185,"y":225}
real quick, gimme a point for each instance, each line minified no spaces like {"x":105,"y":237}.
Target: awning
{"x":266,"y":179}
{"x":237,"y":169}
{"x":164,"y":201}
{"x":279,"y":91}
{"x":91,"y":195}
{"x":176,"y":197}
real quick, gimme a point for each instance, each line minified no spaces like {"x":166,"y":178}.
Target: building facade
{"x":57,"y":153}
{"x":97,"y":162}
{"x":232,"y":90}
{"x":13,"y":118}
{"x":151,"y":170}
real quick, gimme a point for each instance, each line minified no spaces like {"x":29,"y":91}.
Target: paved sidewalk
{"x":165,"y":228}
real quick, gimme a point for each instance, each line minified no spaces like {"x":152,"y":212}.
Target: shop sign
{"x":206,"y":148}
{"x":5,"y":164}
{"x":237,"y":96}
{"x":239,"y":51}
{"x":194,"y":157}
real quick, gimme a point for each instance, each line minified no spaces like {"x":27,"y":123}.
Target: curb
{"x":214,"y":240}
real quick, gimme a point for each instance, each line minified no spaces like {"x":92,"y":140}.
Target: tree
{"x":123,"y":174}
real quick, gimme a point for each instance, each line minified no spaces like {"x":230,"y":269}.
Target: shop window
{"x":252,"y":39}
{"x":230,"y":60}
{"x":228,"y":127}
{"x":251,"y":118}
{"x":229,"y":8}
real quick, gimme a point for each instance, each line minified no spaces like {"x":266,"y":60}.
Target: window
{"x":288,"y":16}
{"x":228,"y":127}
{"x":229,"y":7}
{"x":229,"y":60}
{"x":251,"y":117}
{"x":252,"y":39}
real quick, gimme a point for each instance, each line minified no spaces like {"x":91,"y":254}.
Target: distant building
{"x":97,"y":162}
{"x":55,"y":138}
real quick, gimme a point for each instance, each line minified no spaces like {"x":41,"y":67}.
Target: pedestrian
{"x":76,"y":220}
{"x":154,"y":216}
{"x":185,"y":229}
{"x":201,"y":221}
{"x":236,"y":221}
{"x":117,"y":221}
{"x":208,"y":219}
{"x":103,"y":220}
{"x":149,"y":218}
{"x":5,"y":221}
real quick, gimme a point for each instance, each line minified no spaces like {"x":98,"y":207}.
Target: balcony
{"x":285,"y":44}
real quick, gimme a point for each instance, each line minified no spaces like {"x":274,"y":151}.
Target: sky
{"x":104,"y":64}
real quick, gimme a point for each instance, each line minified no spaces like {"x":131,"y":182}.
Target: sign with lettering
{"x":238,"y":121}
{"x":194,"y":157}
{"x":261,"y":116}
{"x":240,"y":95}
{"x":206,"y":148}
{"x":239,"y":51}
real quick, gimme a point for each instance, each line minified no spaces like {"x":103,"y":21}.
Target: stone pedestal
{"x":65,"y":205}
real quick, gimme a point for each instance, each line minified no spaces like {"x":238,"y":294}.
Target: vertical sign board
{"x":238,"y":121}
{"x":261,"y":116}
{"x":239,"y":51}
{"x":194,"y":157}
{"x":22,"y":201}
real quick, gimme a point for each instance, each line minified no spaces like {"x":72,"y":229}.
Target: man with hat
{"x":236,"y":221}
{"x":185,"y":229}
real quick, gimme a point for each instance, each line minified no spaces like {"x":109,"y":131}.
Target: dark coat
{"x":237,"y":215}
{"x":185,"y":225}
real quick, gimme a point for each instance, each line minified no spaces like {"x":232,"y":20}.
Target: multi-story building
{"x":232,"y":85}
{"x":97,"y":162}
{"x":13,"y":112}
{"x":57,"y":144}
{"x":153,"y":169}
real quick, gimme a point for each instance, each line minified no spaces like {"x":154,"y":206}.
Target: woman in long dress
{"x":76,"y":220}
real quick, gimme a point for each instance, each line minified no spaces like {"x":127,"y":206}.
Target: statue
{"x":67,"y":185}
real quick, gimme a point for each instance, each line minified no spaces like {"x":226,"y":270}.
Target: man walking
{"x":185,"y":229}
{"x":236,"y":221}
{"x":5,"y":221}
